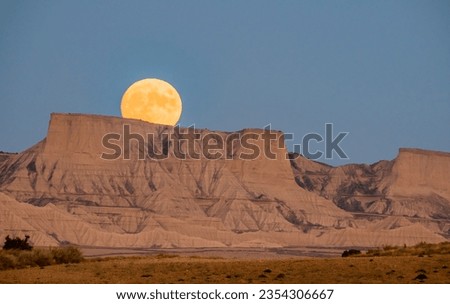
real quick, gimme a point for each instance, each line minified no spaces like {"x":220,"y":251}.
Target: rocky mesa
{"x":157,"y":186}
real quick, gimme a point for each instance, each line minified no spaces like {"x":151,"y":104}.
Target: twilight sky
{"x":379,"y":70}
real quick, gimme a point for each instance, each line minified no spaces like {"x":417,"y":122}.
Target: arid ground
{"x":181,"y":269}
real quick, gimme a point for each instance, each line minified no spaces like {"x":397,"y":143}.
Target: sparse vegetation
{"x":66,"y":255}
{"x":184,"y":269}
{"x":423,"y":263}
{"x":16,"y":259}
{"x":18,"y":253}
{"x":17,"y":243}
{"x":350,"y":252}
{"x":421,"y":249}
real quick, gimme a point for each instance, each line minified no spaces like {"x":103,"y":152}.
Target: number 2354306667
{"x":295,"y":294}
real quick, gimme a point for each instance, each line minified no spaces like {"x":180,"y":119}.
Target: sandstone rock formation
{"x":4,"y":157}
{"x":62,"y":191}
{"x":412,"y":188}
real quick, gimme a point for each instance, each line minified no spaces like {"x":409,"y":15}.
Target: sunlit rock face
{"x":81,"y":185}
{"x":414,"y":188}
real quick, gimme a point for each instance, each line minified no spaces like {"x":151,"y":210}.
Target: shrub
{"x":24,"y":259}
{"x":389,"y":247}
{"x":7,"y":261}
{"x":42,"y":257}
{"x":10,"y":259}
{"x":67,"y":255}
{"x":17,"y":243}
{"x":421,"y":249}
{"x":36,"y":257}
{"x":350,"y":252}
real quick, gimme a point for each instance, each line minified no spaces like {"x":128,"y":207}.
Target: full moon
{"x":152,"y":100}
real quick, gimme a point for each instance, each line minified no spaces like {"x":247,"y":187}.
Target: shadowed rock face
{"x":62,"y":191}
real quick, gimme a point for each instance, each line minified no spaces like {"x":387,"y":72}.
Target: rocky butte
{"x":62,"y":191}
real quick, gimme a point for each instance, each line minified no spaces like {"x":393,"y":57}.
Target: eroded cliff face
{"x":414,"y":187}
{"x":421,"y":173}
{"x":4,"y":157}
{"x":63,"y":191}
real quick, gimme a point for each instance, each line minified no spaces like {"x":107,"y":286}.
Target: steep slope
{"x":421,"y":173}
{"x":220,"y":201}
{"x":112,"y":182}
{"x":5,"y":156}
{"x":414,"y":186}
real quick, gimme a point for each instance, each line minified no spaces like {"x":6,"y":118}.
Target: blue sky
{"x":379,"y":70}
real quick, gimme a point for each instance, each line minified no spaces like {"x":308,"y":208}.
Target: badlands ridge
{"x":61,"y":191}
